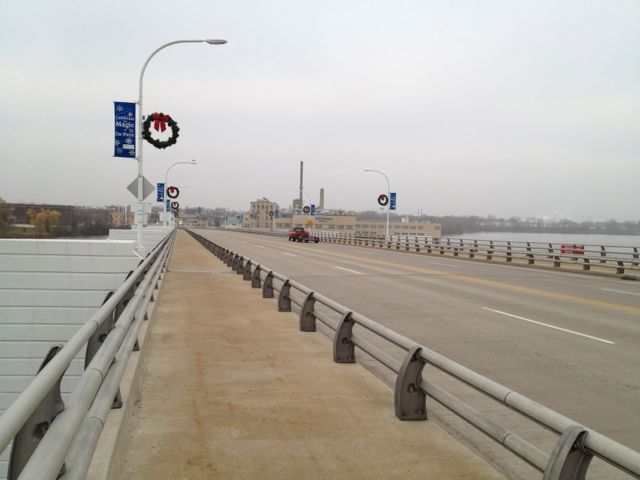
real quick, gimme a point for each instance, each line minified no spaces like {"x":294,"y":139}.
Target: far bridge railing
{"x":617,"y":260}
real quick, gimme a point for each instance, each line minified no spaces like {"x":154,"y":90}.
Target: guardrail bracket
{"x":28,"y":438}
{"x":569,"y":459}
{"x":343,"y":348}
{"x":307,"y":318}
{"x":284,"y":302}
{"x":409,"y":399}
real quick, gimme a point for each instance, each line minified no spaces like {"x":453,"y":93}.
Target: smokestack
{"x":301,"y":168}
{"x":321,"y":206}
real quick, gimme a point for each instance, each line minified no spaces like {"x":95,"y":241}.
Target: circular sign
{"x":271,"y":213}
{"x":306,"y":209}
{"x":175,"y":205}
{"x":383,"y":200}
{"x":173,"y":192}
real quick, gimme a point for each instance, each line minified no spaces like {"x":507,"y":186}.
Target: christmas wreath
{"x":173,"y":192}
{"x":160,"y":123}
{"x":175,"y":205}
{"x":383,"y":200}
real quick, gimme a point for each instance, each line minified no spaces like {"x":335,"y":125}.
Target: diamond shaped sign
{"x":147,"y":187}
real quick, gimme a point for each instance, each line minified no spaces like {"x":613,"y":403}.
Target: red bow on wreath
{"x":160,"y":122}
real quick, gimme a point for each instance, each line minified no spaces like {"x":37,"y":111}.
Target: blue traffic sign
{"x":313,"y":209}
{"x":160,"y":192}
{"x":277,"y":213}
{"x":392,"y":201}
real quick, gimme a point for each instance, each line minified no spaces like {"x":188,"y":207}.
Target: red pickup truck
{"x":299,"y":234}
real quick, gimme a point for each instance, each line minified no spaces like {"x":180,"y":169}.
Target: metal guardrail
{"x":54,"y":440}
{"x":574,"y":448}
{"x":622,"y":260}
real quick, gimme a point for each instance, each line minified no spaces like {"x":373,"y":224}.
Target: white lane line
{"x":598,"y":339}
{"x":444,"y":264}
{"x":620,"y":291}
{"x":348,"y":270}
{"x":289,"y":254}
{"x":259,"y":246}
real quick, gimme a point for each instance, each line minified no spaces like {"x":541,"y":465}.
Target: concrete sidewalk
{"x":230,"y":388}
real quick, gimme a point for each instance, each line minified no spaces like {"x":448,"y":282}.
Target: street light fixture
{"x":166,"y":178}
{"x":388,"y":195}
{"x":140,"y":212}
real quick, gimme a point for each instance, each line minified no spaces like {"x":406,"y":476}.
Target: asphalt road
{"x":568,"y":341}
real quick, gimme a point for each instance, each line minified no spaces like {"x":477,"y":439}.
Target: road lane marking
{"x":598,"y":339}
{"x":620,"y":291}
{"x":289,"y":254}
{"x":443,"y":264}
{"x":349,"y":270}
{"x":259,"y":246}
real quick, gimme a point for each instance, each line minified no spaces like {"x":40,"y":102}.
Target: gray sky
{"x":508,"y":108}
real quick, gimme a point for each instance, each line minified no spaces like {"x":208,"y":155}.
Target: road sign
{"x":147,"y":188}
{"x":277,"y":213}
{"x":125,"y":130}
{"x":392,"y":201}
{"x":167,"y":206}
{"x":306,"y":209}
{"x":160,"y":192}
{"x":313,"y":209}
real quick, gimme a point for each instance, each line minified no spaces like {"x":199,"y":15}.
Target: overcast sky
{"x":527,"y":108}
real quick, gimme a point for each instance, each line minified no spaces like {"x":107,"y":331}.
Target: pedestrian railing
{"x":617,"y":260}
{"x":54,"y":439}
{"x":575,"y":447}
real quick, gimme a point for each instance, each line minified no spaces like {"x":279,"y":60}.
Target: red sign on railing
{"x":572,"y":249}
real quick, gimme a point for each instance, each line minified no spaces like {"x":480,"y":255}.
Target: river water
{"x":562,"y":238}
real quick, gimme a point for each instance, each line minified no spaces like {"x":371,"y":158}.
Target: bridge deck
{"x":231,"y":388}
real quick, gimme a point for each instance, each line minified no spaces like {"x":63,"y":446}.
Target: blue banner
{"x":313,"y":209}
{"x":160,"y":192}
{"x":125,"y":130}
{"x":392,"y":201}
{"x":168,"y":206}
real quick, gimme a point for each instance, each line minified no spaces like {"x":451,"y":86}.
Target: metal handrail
{"x":575,"y":439}
{"x":623,"y":259}
{"x":48,"y":458}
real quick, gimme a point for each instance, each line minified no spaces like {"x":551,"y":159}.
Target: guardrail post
{"x":240,"y":265}
{"x":569,"y":459}
{"x":417,"y":245}
{"x":603,"y":253}
{"x":343,"y":348}
{"x":246,"y":272}
{"x":307,"y":317}
{"x":409,"y":399}
{"x":509,"y":252}
{"x":267,"y":287}
{"x":234,"y":262}
{"x":474,"y":249}
{"x":556,"y":261}
{"x":635,"y":257}
{"x":284,"y":302}
{"x":28,"y":437}
{"x":490,"y":251}
{"x":586,"y":266}
{"x":620,"y":269}
{"x":256,"y":281}
{"x":550,"y":257}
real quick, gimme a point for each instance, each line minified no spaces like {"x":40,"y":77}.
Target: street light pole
{"x":388,"y":196}
{"x":166,"y":178}
{"x":140,"y":212}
